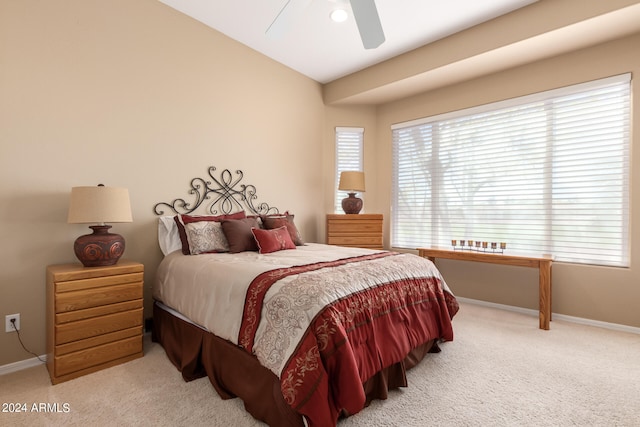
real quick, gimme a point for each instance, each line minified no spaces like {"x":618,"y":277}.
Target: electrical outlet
{"x":8,"y":327}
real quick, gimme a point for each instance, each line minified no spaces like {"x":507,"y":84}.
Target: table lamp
{"x":351,"y":182}
{"x":99,"y":205}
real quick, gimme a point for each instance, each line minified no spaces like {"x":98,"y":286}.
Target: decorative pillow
{"x":238,"y":234}
{"x":276,"y":221}
{"x":181,"y":220}
{"x":273,"y":240}
{"x":206,"y":237}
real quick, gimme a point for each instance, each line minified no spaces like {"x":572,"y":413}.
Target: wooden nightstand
{"x":361,"y":230}
{"x":94,"y":317}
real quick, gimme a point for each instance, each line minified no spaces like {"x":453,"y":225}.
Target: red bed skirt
{"x":235,"y":373}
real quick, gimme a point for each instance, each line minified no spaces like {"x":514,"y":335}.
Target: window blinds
{"x":349,"y":142}
{"x":546,"y":173}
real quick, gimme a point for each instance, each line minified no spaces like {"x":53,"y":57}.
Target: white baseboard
{"x":23,"y":364}
{"x":580,"y":320}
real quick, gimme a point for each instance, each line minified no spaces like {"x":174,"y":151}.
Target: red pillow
{"x":277,"y":221}
{"x":185,"y":219}
{"x":273,"y":240}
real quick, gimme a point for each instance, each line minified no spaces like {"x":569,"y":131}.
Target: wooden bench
{"x":542,"y":263}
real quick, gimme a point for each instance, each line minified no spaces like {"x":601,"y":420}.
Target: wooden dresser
{"x":361,"y":230}
{"x":94,"y":317}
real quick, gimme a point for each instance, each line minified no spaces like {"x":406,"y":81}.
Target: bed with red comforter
{"x":325,"y":328}
{"x":303,"y":333}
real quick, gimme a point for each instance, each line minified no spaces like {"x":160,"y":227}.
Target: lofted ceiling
{"x":324,"y":50}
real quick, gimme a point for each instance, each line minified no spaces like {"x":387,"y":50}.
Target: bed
{"x":303,"y":333}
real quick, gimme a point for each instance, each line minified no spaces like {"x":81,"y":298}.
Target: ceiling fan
{"x":364,"y":12}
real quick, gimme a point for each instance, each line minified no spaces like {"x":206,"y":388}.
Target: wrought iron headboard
{"x":228,"y":195}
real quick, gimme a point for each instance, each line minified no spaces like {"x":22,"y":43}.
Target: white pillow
{"x":206,"y":236}
{"x":168,"y":235}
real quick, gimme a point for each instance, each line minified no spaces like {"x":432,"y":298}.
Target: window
{"x":546,"y":173}
{"x":348,"y":158}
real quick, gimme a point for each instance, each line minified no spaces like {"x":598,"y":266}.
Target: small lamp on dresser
{"x":351,"y":182}
{"x":99,"y":205}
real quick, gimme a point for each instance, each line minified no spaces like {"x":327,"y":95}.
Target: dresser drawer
{"x":97,"y":282}
{"x":82,"y":329}
{"x":353,"y":227}
{"x":94,"y":356}
{"x":88,"y":313}
{"x":356,"y":241}
{"x":63,"y":349}
{"x":78,"y":300}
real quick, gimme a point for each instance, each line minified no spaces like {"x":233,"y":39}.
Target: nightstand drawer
{"x":97,"y":355}
{"x":63,"y":349}
{"x":98,"y":282}
{"x":357,"y":241}
{"x":78,"y":300}
{"x":97,"y":326}
{"x":352,"y":227}
{"x":88,"y":313}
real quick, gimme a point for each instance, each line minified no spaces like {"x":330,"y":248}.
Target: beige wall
{"x":598,"y":293}
{"x":134,"y":94}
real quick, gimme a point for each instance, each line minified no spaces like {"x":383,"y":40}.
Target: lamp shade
{"x":98,"y":205}
{"x":351,"y":181}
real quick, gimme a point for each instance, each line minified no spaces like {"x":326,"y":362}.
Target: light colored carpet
{"x":499,"y":371}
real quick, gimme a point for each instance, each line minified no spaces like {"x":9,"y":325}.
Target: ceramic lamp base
{"x":352,"y":204}
{"x":100,"y":248}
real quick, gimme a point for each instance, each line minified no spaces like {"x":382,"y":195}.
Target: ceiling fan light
{"x":339,"y":15}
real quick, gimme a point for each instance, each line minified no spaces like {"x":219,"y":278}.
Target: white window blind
{"x":349,"y":142}
{"x":546,"y":173}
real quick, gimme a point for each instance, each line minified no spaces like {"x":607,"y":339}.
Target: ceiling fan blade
{"x":290,"y":12}
{"x":368,"y":21}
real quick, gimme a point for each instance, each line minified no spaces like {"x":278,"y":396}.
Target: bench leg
{"x":545,"y":294}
